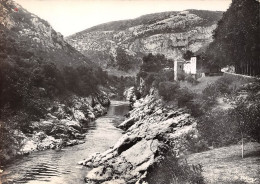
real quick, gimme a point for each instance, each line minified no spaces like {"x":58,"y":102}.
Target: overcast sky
{"x":71,"y":16}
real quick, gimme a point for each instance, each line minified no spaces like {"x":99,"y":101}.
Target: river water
{"x":60,"y":167}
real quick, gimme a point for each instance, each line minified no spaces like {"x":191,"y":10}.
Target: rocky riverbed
{"x":150,"y":128}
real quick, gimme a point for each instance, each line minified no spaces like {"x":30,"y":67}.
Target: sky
{"x":71,"y":16}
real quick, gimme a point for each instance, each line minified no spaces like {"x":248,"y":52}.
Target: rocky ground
{"x":151,"y":126}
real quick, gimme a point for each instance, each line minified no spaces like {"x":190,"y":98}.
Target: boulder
{"x":49,"y":115}
{"x":141,"y":152}
{"x":29,"y":146}
{"x":45,"y":125}
{"x":79,"y":116}
{"x":100,"y":174}
{"x":99,"y":110}
{"x":91,"y":115}
{"x":130,"y":94}
{"x":59,"y":129}
{"x":74,"y":124}
{"x":47,"y":143}
{"x":127,"y":123}
{"x":40,"y":136}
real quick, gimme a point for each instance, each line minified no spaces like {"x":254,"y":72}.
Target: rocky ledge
{"x":151,"y":127}
{"x":63,"y":125}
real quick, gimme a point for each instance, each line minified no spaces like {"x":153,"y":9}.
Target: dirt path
{"x":225,"y":165}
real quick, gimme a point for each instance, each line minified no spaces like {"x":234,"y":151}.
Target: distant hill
{"x":168,"y":33}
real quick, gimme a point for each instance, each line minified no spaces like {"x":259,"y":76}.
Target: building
{"x":185,"y":67}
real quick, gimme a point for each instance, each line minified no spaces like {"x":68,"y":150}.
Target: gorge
{"x":103,"y":105}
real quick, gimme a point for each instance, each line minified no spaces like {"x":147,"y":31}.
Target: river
{"x":60,"y":167}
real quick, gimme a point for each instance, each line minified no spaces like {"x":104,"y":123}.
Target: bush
{"x":191,"y":79}
{"x":222,"y":87}
{"x":217,"y":127}
{"x":155,"y":63}
{"x":10,"y":143}
{"x":171,"y":170}
{"x":125,"y":62}
{"x":187,"y":55}
{"x":184,"y":97}
{"x":168,"y":90}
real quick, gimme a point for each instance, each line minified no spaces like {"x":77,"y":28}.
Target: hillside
{"x":42,"y":78}
{"x":23,"y":32}
{"x":224,"y":165}
{"x":168,"y":33}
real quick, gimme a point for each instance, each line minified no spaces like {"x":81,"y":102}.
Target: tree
{"x":168,"y":90}
{"x":154,"y":63}
{"x":187,"y":55}
{"x":237,"y":38}
{"x":124,"y":61}
{"x":246,"y":115}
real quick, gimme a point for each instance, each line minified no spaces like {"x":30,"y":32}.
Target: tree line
{"x":237,"y":39}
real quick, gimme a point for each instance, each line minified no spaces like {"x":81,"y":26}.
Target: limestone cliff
{"x":168,"y":33}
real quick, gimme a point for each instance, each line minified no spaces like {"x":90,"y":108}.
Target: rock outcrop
{"x":168,"y":33}
{"x":63,"y":125}
{"x":150,"y":129}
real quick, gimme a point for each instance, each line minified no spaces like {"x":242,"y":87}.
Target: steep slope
{"x":44,"y":82}
{"x":168,"y":33}
{"x":29,"y":32}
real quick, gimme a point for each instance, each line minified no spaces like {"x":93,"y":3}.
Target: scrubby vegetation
{"x":226,"y":115}
{"x":125,"y":62}
{"x":173,"y":170}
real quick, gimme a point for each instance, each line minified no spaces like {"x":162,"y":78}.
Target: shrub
{"x":125,"y":62}
{"x":154,"y":63}
{"x":217,"y":127}
{"x":168,"y":90}
{"x":187,"y":55}
{"x":10,"y":143}
{"x":172,"y":170}
{"x":184,"y":96}
{"x":162,"y":76}
{"x":191,"y":79}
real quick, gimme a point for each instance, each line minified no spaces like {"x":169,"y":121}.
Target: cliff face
{"x":169,"y":33}
{"x":29,"y":32}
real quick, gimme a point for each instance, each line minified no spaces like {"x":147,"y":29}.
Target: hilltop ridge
{"x":168,"y":33}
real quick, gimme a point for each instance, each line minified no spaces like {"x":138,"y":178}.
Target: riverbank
{"x":63,"y":125}
{"x":150,"y":128}
{"x":60,"y":166}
